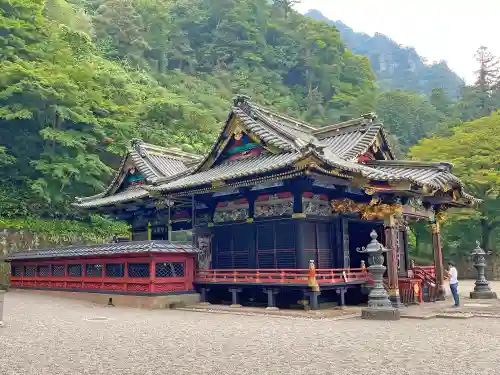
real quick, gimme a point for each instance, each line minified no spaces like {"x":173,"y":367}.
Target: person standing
{"x":453,"y":275}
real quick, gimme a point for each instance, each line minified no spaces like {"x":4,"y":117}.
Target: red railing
{"x":430,"y":270}
{"x":427,"y":275}
{"x":283,"y":276}
{"x":410,"y":291}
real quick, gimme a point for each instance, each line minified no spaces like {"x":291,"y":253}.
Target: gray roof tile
{"x":124,"y":196}
{"x":233,"y":169}
{"x":337,"y":145}
{"x":433,"y":174}
{"x":106,"y":249}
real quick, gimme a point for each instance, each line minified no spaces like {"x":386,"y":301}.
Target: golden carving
{"x":217,"y":184}
{"x":370,"y":190}
{"x":441,"y":216}
{"x":435,"y":228}
{"x":368,"y":211}
{"x":238,"y":134}
{"x":306,"y":162}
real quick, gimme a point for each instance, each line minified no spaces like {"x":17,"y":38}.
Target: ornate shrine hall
{"x":279,"y":207}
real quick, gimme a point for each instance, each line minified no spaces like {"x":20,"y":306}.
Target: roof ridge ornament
{"x":240,"y":99}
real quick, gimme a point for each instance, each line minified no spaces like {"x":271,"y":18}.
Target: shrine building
{"x":273,"y":214}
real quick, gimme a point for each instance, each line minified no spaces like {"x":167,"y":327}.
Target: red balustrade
{"x":57,"y":276}
{"x":283,"y":276}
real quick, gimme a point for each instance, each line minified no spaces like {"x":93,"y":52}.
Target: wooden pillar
{"x":344,"y":229}
{"x":301,"y":261}
{"x":169,"y":221}
{"x":300,"y":255}
{"x":152,"y":274}
{"x":252,"y":233}
{"x":438,"y":258}
{"x":391,"y":233}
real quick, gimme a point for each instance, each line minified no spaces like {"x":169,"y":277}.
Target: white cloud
{"x":438,"y":29}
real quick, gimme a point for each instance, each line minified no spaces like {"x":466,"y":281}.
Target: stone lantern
{"x":482,"y":288}
{"x":379,"y":305}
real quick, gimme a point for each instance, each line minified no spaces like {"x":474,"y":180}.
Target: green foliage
{"x":76,"y":74}
{"x":63,"y":232}
{"x":473,"y":149}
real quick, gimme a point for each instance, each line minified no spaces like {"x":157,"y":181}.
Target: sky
{"x":438,"y":29}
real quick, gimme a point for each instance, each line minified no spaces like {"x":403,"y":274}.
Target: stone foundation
{"x":142,"y":302}
{"x":380,"y":314}
{"x":483,"y":295}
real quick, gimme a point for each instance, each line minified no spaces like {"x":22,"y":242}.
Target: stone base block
{"x":483,"y":295}
{"x":143,"y":302}
{"x":380,"y":314}
{"x":272,"y":308}
{"x":235,"y":305}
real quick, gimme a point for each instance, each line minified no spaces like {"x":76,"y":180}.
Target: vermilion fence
{"x":163,"y":274}
{"x":284,"y":276}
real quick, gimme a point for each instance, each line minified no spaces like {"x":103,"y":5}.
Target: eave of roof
{"x":109,"y":249}
{"x":232,"y":169}
{"x":121,"y":197}
{"x":436,"y":175}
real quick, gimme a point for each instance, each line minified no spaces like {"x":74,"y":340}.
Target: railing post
{"x":332,"y":275}
{"x":214,"y":276}
{"x":257,"y":276}
{"x":235,"y":276}
{"x":282,"y":274}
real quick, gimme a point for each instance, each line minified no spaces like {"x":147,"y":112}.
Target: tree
{"x":488,"y":76}
{"x":407,"y":116}
{"x":286,"y":6}
{"x":473,"y":149}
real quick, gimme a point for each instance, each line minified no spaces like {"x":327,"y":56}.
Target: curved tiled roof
{"x":154,"y":163}
{"x":338,"y":146}
{"x":132,"y":247}
{"x":232,"y":169}
{"x":436,"y":175}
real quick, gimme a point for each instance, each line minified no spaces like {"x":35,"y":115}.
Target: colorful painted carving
{"x":267,"y":186}
{"x":315,"y":204}
{"x":269,"y":205}
{"x":202,"y":218}
{"x":241,"y":147}
{"x":237,"y":210}
{"x":181,"y":215}
{"x":133,"y":178}
{"x":204,"y":243}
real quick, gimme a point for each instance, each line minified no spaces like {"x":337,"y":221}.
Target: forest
{"x":82,"y":77}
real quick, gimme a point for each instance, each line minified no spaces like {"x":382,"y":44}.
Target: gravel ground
{"x":47,"y":335}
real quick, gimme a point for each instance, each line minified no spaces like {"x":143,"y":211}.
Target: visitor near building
{"x":453,"y":274}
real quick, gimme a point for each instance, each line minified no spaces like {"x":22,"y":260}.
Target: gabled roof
{"x":153,"y":162}
{"x":352,"y":138}
{"x":132,"y":247}
{"x":436,"y":175}
{"x":286,"y":143}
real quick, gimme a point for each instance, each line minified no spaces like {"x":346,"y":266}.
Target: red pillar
{"x":438,"y":259}
{"x":390,"y":233}
{"x":152,"y":275}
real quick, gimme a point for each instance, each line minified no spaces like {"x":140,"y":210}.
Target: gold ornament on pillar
{"x":435,"y":227}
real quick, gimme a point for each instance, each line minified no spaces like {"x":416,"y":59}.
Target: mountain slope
{"x":396,"y":67}
{"x":81,"y":77}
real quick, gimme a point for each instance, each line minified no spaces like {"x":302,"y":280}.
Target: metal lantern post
{"x":379,"y":305}
{"x":482,"y":288}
